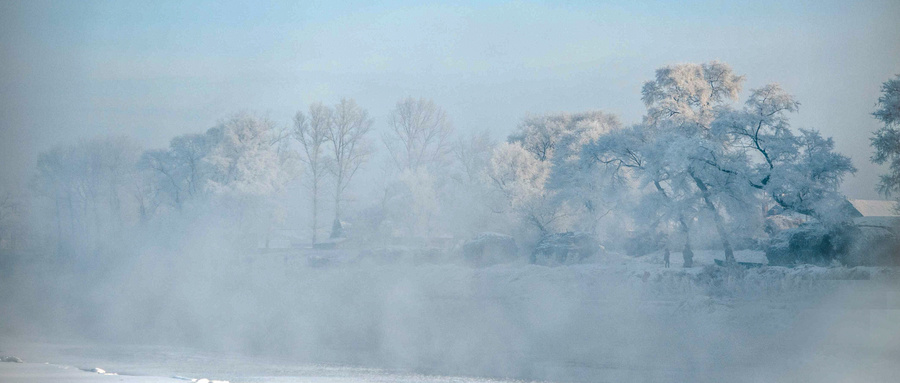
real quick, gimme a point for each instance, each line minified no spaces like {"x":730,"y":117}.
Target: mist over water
{"x":631,"y":192}
{"x":605,"y":320}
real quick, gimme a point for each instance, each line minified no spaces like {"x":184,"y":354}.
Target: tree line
{"x":697,"y":158}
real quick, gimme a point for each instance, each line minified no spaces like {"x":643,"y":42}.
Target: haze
{"x":479,"y":192}
{"x":156,"y":70}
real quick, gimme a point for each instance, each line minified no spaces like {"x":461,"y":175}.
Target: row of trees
{"x":696,"y":158}
{"x":245,"y":165}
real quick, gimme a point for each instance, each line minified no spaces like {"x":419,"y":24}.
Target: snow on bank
{"x":248,"y":370}
{"x":50,"y":373}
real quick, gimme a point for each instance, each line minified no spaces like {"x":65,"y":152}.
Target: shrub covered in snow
{"x":564,"y":248}
{"x":641,"y":243}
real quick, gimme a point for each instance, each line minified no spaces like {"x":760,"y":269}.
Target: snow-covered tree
{"x":521,"y":178}
{"x":688,"y":94}
{"x":681,"y":104}
{"x":637,"y":157}
{"x":246,"y":167}
{"x":347,"y":135}
{"x":800,"y":173}
{"x":886,"y":140}
{"x":245,"y":158}
{"x":557,"y":139}
{"x":544,"y":136}
{"x":699,"y":155}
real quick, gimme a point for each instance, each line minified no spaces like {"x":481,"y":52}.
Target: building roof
{"x":875,"y":208}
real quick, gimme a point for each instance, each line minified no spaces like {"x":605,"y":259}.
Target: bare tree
{"x":419,"y":134}
{"x":86,"y":183}
{"x":350,"y":123}
{"x":312,"y":132}
{"x":473,"y":155}
{"x":188,"y":151}
{"x":10,"y":214}
{"x":162,"y":165}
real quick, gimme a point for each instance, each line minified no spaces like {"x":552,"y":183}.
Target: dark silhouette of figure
{"x":666,"y":257}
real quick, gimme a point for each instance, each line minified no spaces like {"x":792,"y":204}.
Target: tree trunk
{"x":58,"y":228}
{"x":315,"y":209}
{"x":687,"y":254}
{"x":720,"y":226}
{"x":337,"y":230}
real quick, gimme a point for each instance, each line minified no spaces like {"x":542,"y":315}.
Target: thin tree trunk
{"x":315,"y":212}
{"x":337,"y":230}
{"x":58,"y":227}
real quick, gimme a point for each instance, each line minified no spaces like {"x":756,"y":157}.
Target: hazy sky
{"x":153,"y":70}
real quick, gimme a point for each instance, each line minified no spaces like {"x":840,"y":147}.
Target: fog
{"x":155,"y":71}
{"x":478,"y":192}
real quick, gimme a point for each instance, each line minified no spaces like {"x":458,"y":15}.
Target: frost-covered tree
{"x":245,"y":159}
{"x":419,"y":134}
{"x":886,"y":140}
{"x":636,"y":157}
{"x":521,"y":179}
{"x":245,"y":168}
{"x":681,"y":104}
{"x":557,"y":139}
{"x":312,"y":133}
{"x":799,"y":172}
{"x":688,"y":94}
{"x":694,"y":151}
{"x":347,"y":136}
{"x":559,"y":136}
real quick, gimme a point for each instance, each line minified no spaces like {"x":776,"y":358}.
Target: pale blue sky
{"x":153,"y":70}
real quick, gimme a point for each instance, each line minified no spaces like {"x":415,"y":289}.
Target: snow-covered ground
{"x":152,"y":364}
{"x":52,"y":373}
